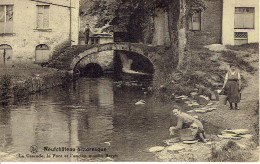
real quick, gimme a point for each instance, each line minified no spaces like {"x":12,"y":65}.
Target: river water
{"x":91,"y":113}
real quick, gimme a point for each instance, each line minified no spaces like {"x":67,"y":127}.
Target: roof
{"x":62,"y":3}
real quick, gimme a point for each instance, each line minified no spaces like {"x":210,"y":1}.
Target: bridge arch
{"x":140,"y":49}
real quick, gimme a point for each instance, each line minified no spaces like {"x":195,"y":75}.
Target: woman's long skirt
{"x":232,"y":90}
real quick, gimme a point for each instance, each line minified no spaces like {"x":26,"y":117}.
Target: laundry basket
{"x":186,"y":135}
{"x":222,"y":99}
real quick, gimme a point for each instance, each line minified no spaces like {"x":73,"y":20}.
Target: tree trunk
{"x":177,"y":28}
{"x":173,"y":18}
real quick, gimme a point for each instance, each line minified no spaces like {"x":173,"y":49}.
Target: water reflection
{"x":89,"y":113}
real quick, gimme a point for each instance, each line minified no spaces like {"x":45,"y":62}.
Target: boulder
{"x":190,"y":111}
{"x":175,"y":147}
{"x":190,"y":142}
{"x":203,"y":100}
{"x":216,"y":47}
{"x":247,"y":136}
{"x":171,"y":141}
{"x":183,"y":96}
{"x":229,"y":136}
{"x":140,"y":102}
{"x":195,"y":104}
{"x":156,"y":149}
{"x":237,"y":131}
{"x":187,"y":102}
{"x":193,"y":93}
{"x":210,"y":109}
{"x":196,"y":117}
{"x":200,"y":111}
{"x":241,"y":145}
{"x":213,"y":96}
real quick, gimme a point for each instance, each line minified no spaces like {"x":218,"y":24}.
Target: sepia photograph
{"x":129,"y":81}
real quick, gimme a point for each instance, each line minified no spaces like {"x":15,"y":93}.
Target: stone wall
{"x":32,"y":84}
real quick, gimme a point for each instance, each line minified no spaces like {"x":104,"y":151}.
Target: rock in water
{"x":140,"y":102}
{"x":229,"y":136}
{"x":171,"y":141}
{"x":175,"y":148}
{"x":237,"y":131}
{"x":190,"y":142}
{"x":156,"y":149}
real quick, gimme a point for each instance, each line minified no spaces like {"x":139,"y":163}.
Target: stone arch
{"x":91,"y":70}
{"x":131,"y":47}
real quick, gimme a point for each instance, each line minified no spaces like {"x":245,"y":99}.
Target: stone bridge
{"x":148,"y":52}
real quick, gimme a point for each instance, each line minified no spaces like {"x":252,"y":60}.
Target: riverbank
{"x":218,"y":149}
{"x":25,"y":79}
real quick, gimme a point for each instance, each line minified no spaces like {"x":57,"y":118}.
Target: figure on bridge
{"x":86,"y":32}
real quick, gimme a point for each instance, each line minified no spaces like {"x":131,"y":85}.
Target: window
{"x":6,"y":18}
{"x":43,"y":16}
{"x":244,"y":17}
{"x":241,"y":38}
{"x":42,"y":53}
{"x":195,"y":21}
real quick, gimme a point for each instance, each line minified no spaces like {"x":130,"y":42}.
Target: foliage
{"x":5,"y":86}
{"x":123,"y":14}
{"x":234,"y":58}
{"x":230,"y":152}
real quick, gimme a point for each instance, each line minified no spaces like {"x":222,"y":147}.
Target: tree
{"x":134,"y":16}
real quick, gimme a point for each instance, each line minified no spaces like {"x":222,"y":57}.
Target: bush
{"x":5,"y":86}
{"x":230,"y":152}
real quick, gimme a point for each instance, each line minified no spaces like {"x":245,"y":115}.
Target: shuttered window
{"x":244,"y":17}
{"x":6,"y":18}
{"x":43,"y":16}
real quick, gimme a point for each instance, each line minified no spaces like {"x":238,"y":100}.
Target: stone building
{"x":240,"y":22}
{"x":227,"y":22}
{"x":31,"y":29}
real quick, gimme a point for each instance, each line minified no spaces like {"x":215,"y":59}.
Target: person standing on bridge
{"x":86,"y":32}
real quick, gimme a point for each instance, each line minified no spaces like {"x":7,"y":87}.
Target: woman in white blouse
{"x":232,"y":86}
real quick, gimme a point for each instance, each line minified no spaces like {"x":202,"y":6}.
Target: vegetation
{"x":134,"y":17}
{"x":231,"y":152}
{"x":5,"y":85}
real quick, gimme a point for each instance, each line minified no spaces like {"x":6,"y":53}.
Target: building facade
{"x":240,"y":22}
{"x":31,"y":29}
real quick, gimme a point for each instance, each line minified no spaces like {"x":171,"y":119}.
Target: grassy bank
{"x":24,"y":79}
{"x":207,"y":70}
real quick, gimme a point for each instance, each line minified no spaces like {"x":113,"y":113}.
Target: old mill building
{"x":31,"y":29}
